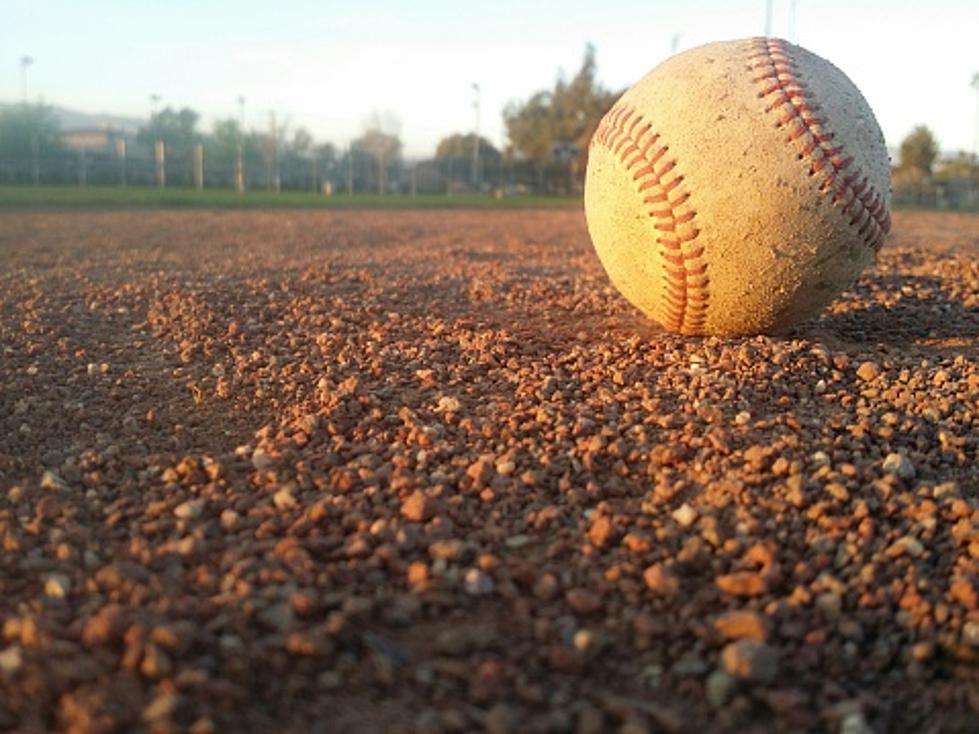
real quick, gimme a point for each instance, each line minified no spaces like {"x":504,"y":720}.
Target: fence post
{"x":239,"y":170}
{"x":35,"y":167}
{"x":199,"y":166}
{"x":121,"y":154}
{"x":161,"y":171}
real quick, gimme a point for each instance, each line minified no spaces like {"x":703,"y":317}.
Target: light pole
{"x":25,"y":61}
{"x":975,"y":141}
{"x":240,"y":158}
{"x":475,"y":163}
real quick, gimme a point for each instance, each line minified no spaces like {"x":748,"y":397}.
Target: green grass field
{"x":109,"y":197}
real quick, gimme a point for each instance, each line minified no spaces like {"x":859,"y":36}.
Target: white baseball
{"x":738,"y":188}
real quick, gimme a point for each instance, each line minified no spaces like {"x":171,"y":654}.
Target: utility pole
{"x":768,"y":18}
{"x":240,"y":155}
{"x":792,"y":21}
{"x":475,"y":164}
{"x":25,"y":61}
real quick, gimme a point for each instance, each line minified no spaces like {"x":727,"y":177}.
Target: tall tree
{"x":302,"y":143}
{"x":919,"y":151}
{"x":454,"y":155}
{"x":551,"y":123}
{"x":222,"y":144}
{"x":381,"y":142}
{"x":176,"y":128}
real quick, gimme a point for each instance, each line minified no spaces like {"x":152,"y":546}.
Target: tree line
{"x":922,"y":177}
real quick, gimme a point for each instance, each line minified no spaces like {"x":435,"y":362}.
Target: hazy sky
{"x":327,"y":65}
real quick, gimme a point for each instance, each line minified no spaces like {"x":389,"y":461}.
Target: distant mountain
{"x":74,"y":120}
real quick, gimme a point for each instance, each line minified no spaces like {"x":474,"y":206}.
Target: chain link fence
{"x":138,"y":165}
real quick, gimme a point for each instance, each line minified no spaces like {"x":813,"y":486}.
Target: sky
{"x":328,"y":65}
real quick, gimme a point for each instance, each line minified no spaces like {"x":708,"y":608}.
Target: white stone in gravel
{"x":970,"y":634}
{"x":505,"y":468}
{"x":685,"y":515}
{"x":57,"y":586}
{"x":477,"y":583}
{"x":945,"y":488}
{"x":855,"y":723}
{"x":820,"y":458}
{"x":587,"y":641}
{"x":283,"y":499}
{"x":186,"y":546}
{"x":229,"y":518}
{"x":189,"y":510}
{"x":11,"y":660}
{"x":261,"y":459}
{"x":518,"y":541}
{"x":448,"y":405}
{"x":899,"y":465}
{"x":52,"y":482}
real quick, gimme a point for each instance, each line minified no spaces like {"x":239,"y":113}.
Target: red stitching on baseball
{"x":861,"y":204}
{"x":625,"y":133}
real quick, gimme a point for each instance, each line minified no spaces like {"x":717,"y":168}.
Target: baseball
{"x":737,"y":188}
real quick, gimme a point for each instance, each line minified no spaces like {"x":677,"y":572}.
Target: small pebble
{"x":685,"y":515}
{"x":750,"y":660}
{"x":57,"y":586}
{"x":899,"y":465}
{"x":477,"y":583}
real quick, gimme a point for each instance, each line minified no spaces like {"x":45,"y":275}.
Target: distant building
{"x":93,"y":139}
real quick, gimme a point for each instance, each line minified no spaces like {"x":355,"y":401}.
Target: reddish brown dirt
{"x":405,"y":471}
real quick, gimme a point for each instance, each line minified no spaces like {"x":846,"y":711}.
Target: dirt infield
{"x":406,"y":471}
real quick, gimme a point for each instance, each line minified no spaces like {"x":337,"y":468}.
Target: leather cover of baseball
{"x":738,"y":188}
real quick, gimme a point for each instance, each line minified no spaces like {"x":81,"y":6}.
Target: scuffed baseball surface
{"x":428,"y":472}
{"x":738,"y":188}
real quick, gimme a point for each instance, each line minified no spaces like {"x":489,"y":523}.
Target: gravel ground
{"x":403,"y":471}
